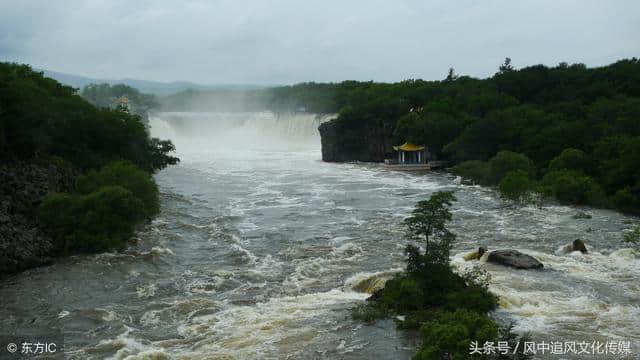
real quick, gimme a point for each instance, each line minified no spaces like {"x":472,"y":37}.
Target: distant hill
{"x":145,"y":86}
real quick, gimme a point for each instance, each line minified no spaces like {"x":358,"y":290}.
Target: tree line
{"x":112,"y":96}
{"x":567,"y":131}
{"x":109,"y":149}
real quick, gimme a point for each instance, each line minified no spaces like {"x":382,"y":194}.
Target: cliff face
{"x":23,"y":242}
{"x":369,"y":143}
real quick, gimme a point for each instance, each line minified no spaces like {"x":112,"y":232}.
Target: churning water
{"x":262,"y":249}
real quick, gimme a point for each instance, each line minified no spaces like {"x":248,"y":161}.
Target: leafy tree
{"x":41,"y":116}
{"x":507,"y":161}
{"x":451,"y":75}
{"x":102,"y":220}
{"x":128,"y":176}
{"x":476,"y":170}
{"x":572,"y":159}
{"x":517,"y":186}
{"x":158,"y":157}
{"x":506,"y":66}
{"x":429,"y":127}
{"x":428,"y":222}
{"x":571,"y":186}
{"x":627,"y":199}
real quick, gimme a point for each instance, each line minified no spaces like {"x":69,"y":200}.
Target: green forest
{"x":111,"y":96}
{"x":109,"y":151}
{"x":568,"y":132}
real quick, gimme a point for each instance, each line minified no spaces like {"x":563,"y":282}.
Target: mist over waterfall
{"x":200,"y":131}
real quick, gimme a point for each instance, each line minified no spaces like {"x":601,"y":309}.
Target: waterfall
{"x":250,"y":130}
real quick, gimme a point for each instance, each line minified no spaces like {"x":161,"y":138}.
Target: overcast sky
{"x":288,"y":41}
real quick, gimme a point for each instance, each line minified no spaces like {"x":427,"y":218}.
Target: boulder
{"x":575,"y":245}
{"x":578,"y":245}
{"x":514,"y":259}
{"x":481,"y":251}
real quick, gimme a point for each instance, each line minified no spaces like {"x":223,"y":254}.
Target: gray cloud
{"x":286,"y":41}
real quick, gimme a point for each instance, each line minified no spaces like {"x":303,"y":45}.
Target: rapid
{"x":261,"y":250}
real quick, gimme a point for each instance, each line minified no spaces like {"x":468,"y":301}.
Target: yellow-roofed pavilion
{"x":409,"y":153}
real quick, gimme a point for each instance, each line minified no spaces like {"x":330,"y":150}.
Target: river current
{"x":261,"y":250}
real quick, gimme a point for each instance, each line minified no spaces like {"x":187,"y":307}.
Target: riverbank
{"x":563,"y":131}
{"x":74,"y":178}
{"x":258,"y":253}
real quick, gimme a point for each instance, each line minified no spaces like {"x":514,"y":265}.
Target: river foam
{"x":261,"y":249}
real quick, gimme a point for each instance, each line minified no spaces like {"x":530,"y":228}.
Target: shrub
{"x":626,"y":200}
{"x":572,"y":186}
{"x":367,"y":314}
{"x":633,"y":237}
{"x":476,"y":170}
{"x":473,"y":297}
{"x":450,"y":334}
{"x":128,"y":176}
{"x":571,"y":159}
{"x":402,"y":294}
{"x":507,"y":161}
{"x":517,"y":186}
{"x":102,"y":220}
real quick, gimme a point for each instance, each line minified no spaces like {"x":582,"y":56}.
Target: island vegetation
{"x":449,"y":310}
{"x":105,"y":154}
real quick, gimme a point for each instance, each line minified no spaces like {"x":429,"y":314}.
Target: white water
{"x":198,"y":132}
{"x":261,"y":249}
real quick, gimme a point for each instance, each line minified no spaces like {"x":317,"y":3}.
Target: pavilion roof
{"x":408,"y":147}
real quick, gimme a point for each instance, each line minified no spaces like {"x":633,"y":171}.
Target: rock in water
{"x":578,"y":245}
{"x":372,"y":284}
{"x":471,"y":256}
{"x":514,"y":259}
{"x":476,"y":255}
{"x":575,"y":245}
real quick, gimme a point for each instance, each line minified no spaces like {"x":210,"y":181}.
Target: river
{"x":260,"y":246}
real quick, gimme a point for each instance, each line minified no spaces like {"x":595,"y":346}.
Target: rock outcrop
{"x":575,"y":245}
{"x":514,"y":259}
{"x":370,"y":142}
{"x":23,"y":242}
